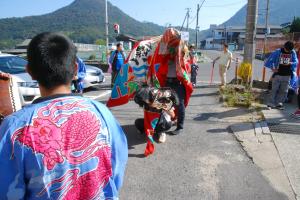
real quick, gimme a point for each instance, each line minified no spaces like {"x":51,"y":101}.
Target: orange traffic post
{"x":264,"y":74}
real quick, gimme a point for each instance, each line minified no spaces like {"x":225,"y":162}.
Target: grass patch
{"x":238,"y":96}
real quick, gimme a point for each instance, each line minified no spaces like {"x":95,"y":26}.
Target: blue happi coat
{"x":62,"y":147}
{"x":273,"y":62}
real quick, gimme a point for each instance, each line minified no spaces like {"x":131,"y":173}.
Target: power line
{"x":194,"y":18}
{"x":183,"y":22}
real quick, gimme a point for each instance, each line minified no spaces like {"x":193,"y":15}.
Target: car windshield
{"x":12,"y":64}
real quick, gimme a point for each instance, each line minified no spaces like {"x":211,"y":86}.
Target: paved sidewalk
{"x":257,"y":141}
{"x":286,"y":135}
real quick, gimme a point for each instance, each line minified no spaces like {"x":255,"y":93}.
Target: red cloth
{"x":150,"y":122}
{"x":170,"y":46}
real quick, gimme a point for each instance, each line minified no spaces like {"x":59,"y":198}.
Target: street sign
{"x":185,"y":36}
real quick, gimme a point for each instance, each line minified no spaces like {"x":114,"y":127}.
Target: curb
{"x":258,"y":143}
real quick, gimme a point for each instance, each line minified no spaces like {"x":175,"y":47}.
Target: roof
{"x":25,"y":43}
{"x":5,"y":55}
{"x":125,"y":38}
{"x":222,"y":27}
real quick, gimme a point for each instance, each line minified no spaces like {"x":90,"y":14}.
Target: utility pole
{"x":106,"y":28}
{"x":225,"y":33}
{"x":188,"y":18}
{"x":197,"y":26}
{"x":266,"y":37}
{"x":252,"y":9}
{"x":197,"y":23}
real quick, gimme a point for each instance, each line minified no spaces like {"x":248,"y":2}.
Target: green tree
{"x":295,"y":27}
{"x":100,"y":42}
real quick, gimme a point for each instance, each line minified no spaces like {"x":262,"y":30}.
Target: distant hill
{"x":281,"y":11}
{"x":83,"y":21}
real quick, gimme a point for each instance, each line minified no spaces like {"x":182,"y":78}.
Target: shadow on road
{"x":221,"y":115}
{"x":218,"y":130}
{"x":206,"y":94}
{"x":207,"y":86}
{"x":134,"y":138}
{"x":97,"y":88}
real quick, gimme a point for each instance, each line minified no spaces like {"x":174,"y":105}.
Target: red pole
{"x":212,"y":73}
{"x":264,"y":74}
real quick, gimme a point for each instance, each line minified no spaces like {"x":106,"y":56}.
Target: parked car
{"x":28,"y":88}
{"x":94,"y":76}
{"x":15,"y":66}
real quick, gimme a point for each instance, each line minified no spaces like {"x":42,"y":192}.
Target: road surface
{"x":206,"y":162}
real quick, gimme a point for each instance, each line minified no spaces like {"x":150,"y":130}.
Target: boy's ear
{"x":29,"y":72}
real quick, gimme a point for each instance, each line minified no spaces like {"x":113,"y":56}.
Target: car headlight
{"x":28,"y":84}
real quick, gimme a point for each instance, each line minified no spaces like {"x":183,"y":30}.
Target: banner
{"x":133,"y":73}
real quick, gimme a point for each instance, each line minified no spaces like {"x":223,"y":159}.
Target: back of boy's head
{"x":51,"y":59}
{"x":289,"y":45}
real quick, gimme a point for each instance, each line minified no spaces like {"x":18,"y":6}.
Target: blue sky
{"x":158,"y":11}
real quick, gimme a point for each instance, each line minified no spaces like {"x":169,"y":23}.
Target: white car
{"x":94,"y":76}
{"x":15,"y":66}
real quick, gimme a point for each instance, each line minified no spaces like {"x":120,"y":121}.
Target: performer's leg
{"x":180,"y":90}
{"x":139,"y":124}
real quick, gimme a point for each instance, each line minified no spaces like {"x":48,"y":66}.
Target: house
{"x":236,"y":35}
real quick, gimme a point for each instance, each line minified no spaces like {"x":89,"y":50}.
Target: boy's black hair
{"x":289,"y":45}
{"x":119,"y":44}
{"x":225,"y":45}
{"x":51,"y":59}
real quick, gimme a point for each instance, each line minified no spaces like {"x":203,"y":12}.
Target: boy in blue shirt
{"x":283,"y":63}
{"x":63,"y":146}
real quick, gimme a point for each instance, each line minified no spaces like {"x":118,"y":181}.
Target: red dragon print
{"x":87,"y":186}
{"x":64,"y":131}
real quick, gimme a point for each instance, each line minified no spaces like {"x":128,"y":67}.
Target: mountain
{"x":83,"y":21}
{"x":281,"y":11}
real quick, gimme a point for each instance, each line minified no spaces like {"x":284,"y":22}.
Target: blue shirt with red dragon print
{"x":62,"y":147}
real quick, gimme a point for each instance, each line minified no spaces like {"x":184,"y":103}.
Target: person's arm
{"x":119,"y":147}
{"x":171,"y":113}
{"x":111,"y":58}
{"x":216,"y":59}
{"x":294,"y":61}
{"x":272,"y":61}
{"x":12,"y":183}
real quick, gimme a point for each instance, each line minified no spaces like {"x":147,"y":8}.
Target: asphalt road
{"x":206,"y":162}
